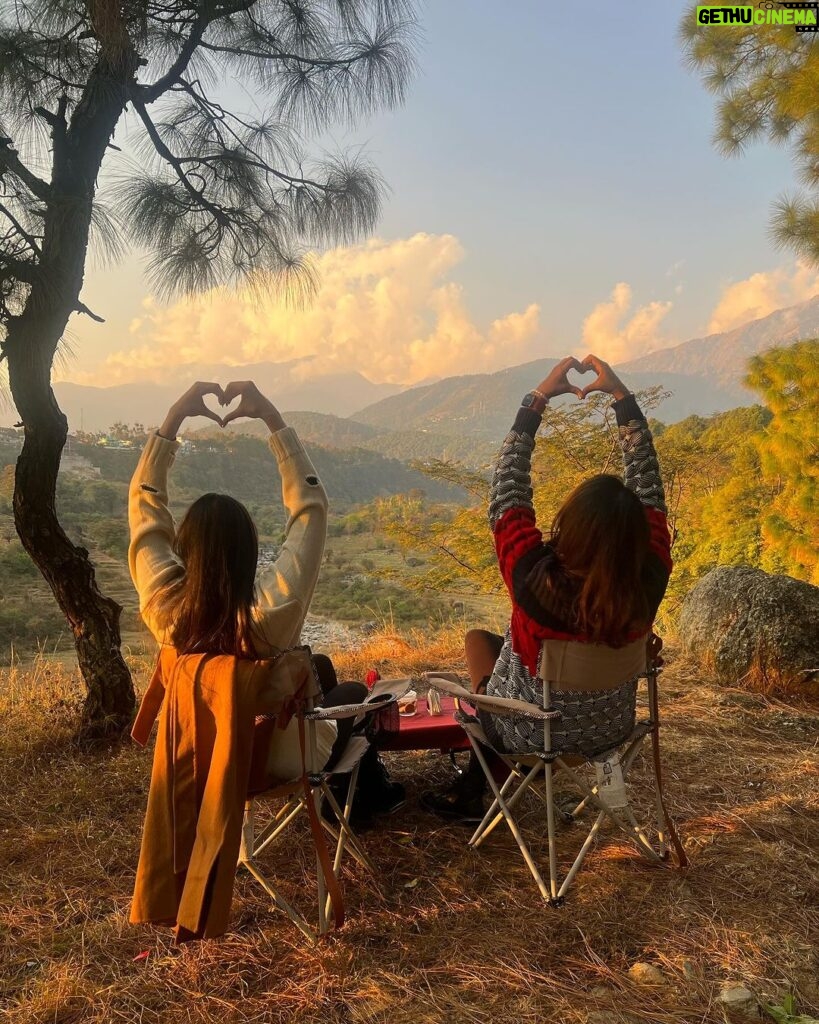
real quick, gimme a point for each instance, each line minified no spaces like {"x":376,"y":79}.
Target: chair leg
{"x":513,"y":828}
{"x":270,"y":833}
{"x":581,"y":856}
{"x":525,"y":786}
{"x":548,"y":772}
{"x":247,"y":845}
{"x":298,"y":919}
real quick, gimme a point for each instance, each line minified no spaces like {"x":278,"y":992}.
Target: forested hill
{"x":406,"y":445}
{"x":483,"y":405}
{"x":243,"y":466}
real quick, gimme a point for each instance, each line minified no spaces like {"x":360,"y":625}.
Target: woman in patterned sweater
{"x":598,"y":578}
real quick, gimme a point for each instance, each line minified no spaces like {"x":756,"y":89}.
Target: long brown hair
{"x":209,"y":609}
{"x":600,"y":538}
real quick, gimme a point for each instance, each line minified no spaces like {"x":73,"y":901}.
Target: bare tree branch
{"x":10,"y":161}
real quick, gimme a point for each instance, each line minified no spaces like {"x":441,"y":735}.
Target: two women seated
{"x":598,"y":577}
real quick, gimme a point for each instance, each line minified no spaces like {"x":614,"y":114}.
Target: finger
{"x":594,"y":386}
{"x":572,"y":364}
{"x":577,"y":392}
{"x":208,"y":388}
{"x":211,"y":416}
{"x":236,"y":388}
{"x":235,"y":415}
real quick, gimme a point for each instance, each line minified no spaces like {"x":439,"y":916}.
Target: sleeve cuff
{"x":158,"y":447}
{"x":285,"y":444}
{"x":626,"y":410}
{"x":527,"y":421}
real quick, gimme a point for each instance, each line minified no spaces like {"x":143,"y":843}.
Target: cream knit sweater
{"x":283,"y":590}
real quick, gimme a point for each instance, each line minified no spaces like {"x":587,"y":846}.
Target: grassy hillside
{"x":441,"y":933}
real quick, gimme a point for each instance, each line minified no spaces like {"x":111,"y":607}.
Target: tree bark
{"x":30,"y":344}
{"x":94,"y":619}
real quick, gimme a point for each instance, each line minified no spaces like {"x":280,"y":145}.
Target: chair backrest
{"x":594,"y":690}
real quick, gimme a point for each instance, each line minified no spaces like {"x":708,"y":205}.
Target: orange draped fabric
{"x":207,"y":706}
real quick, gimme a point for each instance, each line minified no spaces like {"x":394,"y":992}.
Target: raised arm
{"x":641,"y":467}
{"x":511,"y":512}
{"x":285,"y":588}
{"x":151,"y":558}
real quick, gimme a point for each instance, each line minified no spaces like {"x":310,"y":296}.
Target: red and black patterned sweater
{"x":520,"y":546}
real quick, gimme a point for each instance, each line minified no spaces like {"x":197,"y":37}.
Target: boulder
{"x":749,"y":628}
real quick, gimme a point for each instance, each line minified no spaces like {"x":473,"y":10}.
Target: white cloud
{"x":386,"y":309}
{"x":616,"y":332}
{"x":761,"y":294}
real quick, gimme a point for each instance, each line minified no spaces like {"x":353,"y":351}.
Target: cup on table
{"x":433,"y":701}
{"x":408,"y":704}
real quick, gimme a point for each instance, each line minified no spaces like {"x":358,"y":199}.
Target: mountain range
{"x":97,"y":408}
{"x":345,"y":410}
{"x":704,"y":376}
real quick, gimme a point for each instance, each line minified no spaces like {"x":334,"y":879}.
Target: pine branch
{"x":30,"y":240}
{"x":10,"y":161}
{"x":218,"y":213}
{"x":151,"y":93}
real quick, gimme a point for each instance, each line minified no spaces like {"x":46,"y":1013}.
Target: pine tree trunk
{"x":94,"y":619}
{"x":32,"y":337}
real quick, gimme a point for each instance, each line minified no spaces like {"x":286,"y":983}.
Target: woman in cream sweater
{"x":197,"y":586}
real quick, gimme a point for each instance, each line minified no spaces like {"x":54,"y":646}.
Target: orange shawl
{"x":207,"y":705}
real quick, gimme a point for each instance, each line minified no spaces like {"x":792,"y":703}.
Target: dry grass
{"x":471,"y":941}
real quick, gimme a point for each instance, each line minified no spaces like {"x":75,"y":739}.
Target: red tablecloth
{"x":423,"y":731}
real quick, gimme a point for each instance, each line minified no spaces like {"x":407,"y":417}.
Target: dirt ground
{"x":442,"y":933}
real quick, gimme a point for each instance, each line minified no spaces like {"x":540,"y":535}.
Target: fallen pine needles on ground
{"x":445,"y":934}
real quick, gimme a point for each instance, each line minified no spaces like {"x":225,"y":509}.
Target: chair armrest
{"x":384,"y":693}
{"x":497,"y":705}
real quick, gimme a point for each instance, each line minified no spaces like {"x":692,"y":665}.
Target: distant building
{"x":105,"y":441}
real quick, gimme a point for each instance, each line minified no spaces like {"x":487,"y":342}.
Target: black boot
{"x":376,"y":792}
{"x":462,"y":803}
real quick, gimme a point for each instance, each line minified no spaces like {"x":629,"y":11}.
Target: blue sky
{"x":567,"y":148}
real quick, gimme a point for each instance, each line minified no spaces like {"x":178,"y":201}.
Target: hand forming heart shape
{"x":557,"y":381}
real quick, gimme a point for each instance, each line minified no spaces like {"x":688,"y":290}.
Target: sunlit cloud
{"x":616,"y":331}
{"x":763,"y":293}
{"x":388,"y":309}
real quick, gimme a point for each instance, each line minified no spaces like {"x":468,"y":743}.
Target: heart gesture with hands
{"x":557,"y":381}
{"x":252,"y":405}
{"x":606,"y":381}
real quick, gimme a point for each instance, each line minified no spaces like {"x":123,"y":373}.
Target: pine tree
{"x":767,"y":81}
{"x":788,"y":381}
{"x":211,"y":194}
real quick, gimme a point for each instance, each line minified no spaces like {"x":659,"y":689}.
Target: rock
{"x":325,"y":635}
{"x":750,"y":628}
{"x":646,"y":974}
{"x":738,"y":1002}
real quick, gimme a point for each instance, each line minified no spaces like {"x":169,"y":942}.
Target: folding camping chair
{"x":305,"y":793}
{"x":588,"y":713}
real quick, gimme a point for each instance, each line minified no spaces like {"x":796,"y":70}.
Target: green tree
{"x":575,"y":441}
{"x":215,"y":195}
{"x":788,"y":381}
{"x":716,"y":495}
{"x":766,"y":78}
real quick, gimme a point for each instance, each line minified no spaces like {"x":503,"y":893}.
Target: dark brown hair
{"x":210,"y":608}
{"x":600,"y":538}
